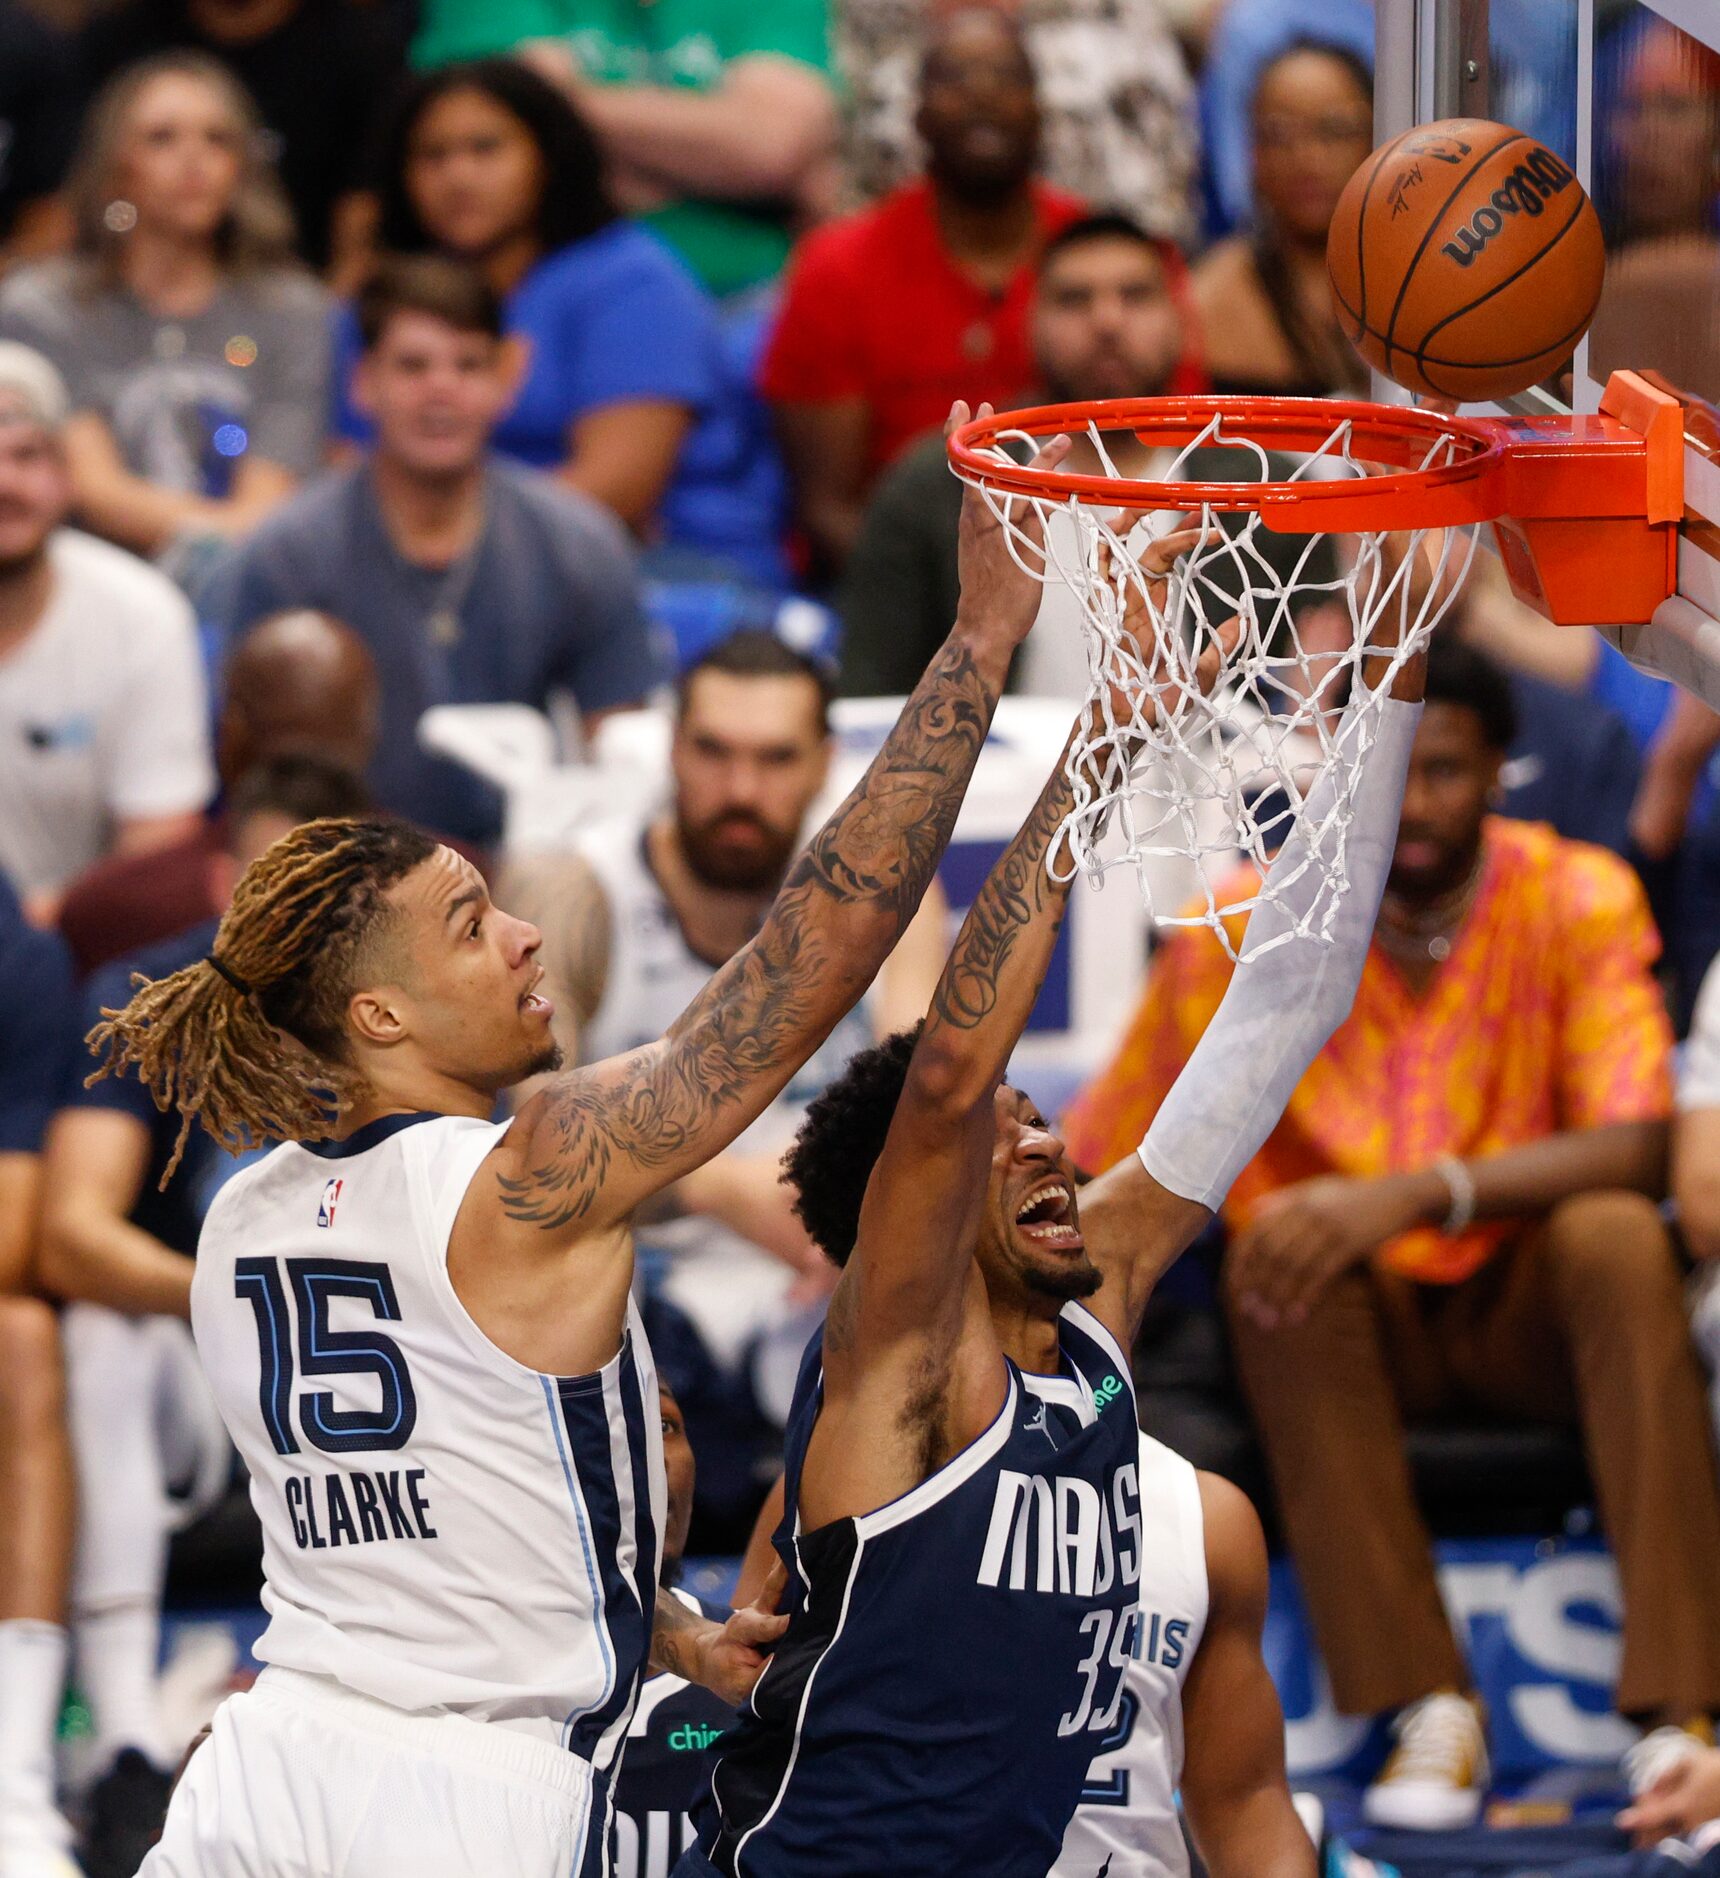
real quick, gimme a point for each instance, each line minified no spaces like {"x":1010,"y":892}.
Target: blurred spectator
{"x":38,"y":127}
{"x":1108,"y":319}
{"x":713,"y":119}
{"x":316,"y":69}
{"x":1114,"y":97}
{"x":471,"y":581}
{"x":296,"y":684}
{"x":1659,"y":158}
{"x":1244,"y":39}
{"x":195,"y":348}
{"x":104,"y":740}
{"x":1659,"y":189}
{"x":635,"y":920}
{"x":667,"y":1764}
{"x":1265,"y":299}
{"x":626,"y":393}
{"x":1457,"y":1211}
{"x":892,"y":313}
{"x":37,"y":1011}
{"x":149,"y":1444}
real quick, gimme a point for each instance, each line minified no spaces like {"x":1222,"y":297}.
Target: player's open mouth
{"x":1047,"y":1216}
{"x":534,"y":1001}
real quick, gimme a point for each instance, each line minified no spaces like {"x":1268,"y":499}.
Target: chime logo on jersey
{"x":326,"y":1205}
{"x":1060,"y":1533}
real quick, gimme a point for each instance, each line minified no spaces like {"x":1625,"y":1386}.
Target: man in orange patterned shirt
{"x":1458,"y":1209}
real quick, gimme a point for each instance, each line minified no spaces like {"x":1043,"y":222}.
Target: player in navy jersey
{"x":963,"y":1525}
{"x":418,"y":1324}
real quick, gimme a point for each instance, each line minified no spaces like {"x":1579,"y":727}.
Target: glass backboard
{"x":1628,"y":92}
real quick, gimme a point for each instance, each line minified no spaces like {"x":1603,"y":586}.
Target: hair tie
{"x":227,"y":972}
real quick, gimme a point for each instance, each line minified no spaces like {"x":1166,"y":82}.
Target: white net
{"x":1178,"y":768}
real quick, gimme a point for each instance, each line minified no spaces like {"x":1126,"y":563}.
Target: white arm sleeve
{"x":1280,"y":1008}
{"x":1681,"y":643}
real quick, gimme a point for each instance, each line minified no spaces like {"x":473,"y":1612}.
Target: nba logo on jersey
{"x":326,"y":1205}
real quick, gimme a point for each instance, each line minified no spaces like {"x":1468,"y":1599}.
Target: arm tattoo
{"x":843,"y":906}
{"x":675,"y":1636}
{"x":1016,"y":892}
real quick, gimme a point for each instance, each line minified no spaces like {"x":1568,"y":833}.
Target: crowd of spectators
{"x":363,"y":357}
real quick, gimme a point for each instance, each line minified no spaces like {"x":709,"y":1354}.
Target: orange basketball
{"x":1466,"y":259}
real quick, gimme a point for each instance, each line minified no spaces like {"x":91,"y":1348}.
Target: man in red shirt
{"x":890,"y":315}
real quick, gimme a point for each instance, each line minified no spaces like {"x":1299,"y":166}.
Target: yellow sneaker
{"x":1436,"y":1776}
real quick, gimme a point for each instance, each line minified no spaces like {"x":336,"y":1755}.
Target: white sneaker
{"x":1436,"y":1776}
{"x":34,"y":1845}
{"x":1659,"y":1751}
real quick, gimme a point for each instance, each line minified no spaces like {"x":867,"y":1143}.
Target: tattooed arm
{"x":595,"y":1143}
{"x":907,"y":1280}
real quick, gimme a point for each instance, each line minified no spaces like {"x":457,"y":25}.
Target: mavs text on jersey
{"x":954,"y":1659}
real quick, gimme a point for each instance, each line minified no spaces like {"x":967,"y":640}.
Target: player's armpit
{"x":1233,"y":1784}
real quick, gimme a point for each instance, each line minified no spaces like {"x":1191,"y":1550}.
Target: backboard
{"x":1628,"y":92}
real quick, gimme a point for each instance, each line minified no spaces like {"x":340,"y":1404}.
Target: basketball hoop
{"x":1386,"y":502}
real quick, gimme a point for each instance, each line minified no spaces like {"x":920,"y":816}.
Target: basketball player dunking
{"x":417,"y":1322}
{"x":965,"y":1513}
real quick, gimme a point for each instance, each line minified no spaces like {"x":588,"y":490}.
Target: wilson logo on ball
{"x":1526,"y":191}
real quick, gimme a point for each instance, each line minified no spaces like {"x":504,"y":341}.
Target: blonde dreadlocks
{"x":250,"y":1041}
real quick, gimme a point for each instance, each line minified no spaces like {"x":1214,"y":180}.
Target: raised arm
{"x":596,"y":1142}
{"x":1276,"y":1016}
{"x":912,"y":1263}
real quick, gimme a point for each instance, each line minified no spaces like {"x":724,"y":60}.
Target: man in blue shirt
{"x":471,"y":580}
{"x":37,"y":1007}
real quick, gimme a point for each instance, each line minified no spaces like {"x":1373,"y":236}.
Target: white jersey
{"x":1126,"y":1825}
{"x":444,"y":1529}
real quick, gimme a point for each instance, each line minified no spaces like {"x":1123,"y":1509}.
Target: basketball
{"x":1466,"y":260}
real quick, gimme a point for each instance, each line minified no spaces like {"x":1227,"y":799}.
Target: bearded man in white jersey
{"x":418,"y":1323}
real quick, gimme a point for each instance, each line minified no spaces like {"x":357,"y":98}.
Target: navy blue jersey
{"x":666,"y":1768}
{"x":953,"y":1659}
{"x":176,"y":1216}
{"x":38,"y":1008}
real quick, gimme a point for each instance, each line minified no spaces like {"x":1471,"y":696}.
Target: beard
{"x":714,"y":864}
{"x":1065,"y":1283}
{"x":548,"y":1060}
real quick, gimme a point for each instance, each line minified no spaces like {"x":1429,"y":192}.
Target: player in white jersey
{"x":417,"y":1322}
{"x":1198,"y":1711}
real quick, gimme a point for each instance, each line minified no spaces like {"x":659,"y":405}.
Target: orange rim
{"x":1404,"y":495}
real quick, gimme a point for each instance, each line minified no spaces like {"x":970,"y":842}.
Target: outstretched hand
{"x":998,"y":598}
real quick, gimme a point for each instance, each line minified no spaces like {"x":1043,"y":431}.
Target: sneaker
{"x":34,"y":1845}
{"x":126,"y":1810}
{"x":1659,"y":1751}
{"x":1436,"y":1776}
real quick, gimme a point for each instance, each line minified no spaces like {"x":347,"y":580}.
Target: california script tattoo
{"x":1016,"y":892}
{"x":842,"y":908}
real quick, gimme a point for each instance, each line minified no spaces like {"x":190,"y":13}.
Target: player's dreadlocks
{"x":250,"y":1040}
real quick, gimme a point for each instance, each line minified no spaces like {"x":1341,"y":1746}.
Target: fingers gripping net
{"x":1216,"y":691}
